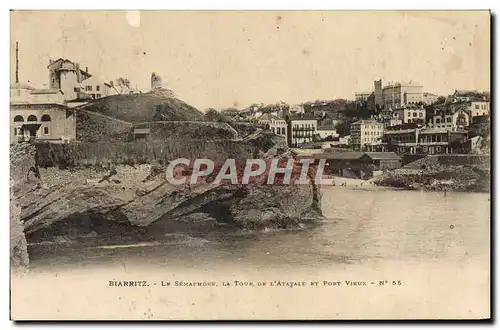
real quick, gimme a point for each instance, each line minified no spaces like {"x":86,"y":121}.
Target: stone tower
{"x":155,"y":82}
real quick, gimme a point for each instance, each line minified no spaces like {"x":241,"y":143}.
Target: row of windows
{"x":373,"y":133}
{"x":19,"y":131}
{"x":420,"y":114}
{"x":89,"y":88}
{"x":303,"y":126}
{"x":482,"y":107}
{"x":19,"y":118}
{"x":379,"y":127}
{"x":279,"y":130}
{"x":438,"y":120}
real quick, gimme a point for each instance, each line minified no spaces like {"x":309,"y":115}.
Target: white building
{"x":410,"y":114}
{"x":479,"y":108}
{"x":276,"y":125}
{"x":303,"y":128}
{"x":458,"y":120}
{"x":365,"y":132}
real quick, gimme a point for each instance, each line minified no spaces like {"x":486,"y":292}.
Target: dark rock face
{"x":137,"y":203}
{"x":24,"y":176}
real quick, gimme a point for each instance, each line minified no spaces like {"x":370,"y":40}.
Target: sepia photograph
{"x":250,"y":165}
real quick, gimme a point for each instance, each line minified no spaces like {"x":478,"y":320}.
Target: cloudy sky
{"x":221,"y":59}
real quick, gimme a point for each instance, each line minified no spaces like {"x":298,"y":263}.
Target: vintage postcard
{"x":250,"y":165}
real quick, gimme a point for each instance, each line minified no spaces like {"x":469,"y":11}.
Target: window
{"x":438,"y":121}
{"x":18,"y":119}
{"x":421,"y":115}
{"x":45,"y":118}
{"x":477,"y":106}
{"x":414,"y":114}
{"x":32,"y":118}
{"x":88,"y":88}
{"x":438,"y":149}
{"x":97,"y":88}
{"x":46,"y":131}
{"x":18,"y":131}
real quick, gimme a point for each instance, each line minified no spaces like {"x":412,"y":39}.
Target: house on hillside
{"x":67,"y":76}
{"x":302,"y":128}
{"x":356,"y":164}
{"x":274,"y":123}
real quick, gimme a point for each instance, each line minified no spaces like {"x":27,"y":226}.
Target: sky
{"x":235,"y":58}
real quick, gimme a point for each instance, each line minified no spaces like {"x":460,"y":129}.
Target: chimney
{"x":87,"y":69}
{"x":17,"y":62}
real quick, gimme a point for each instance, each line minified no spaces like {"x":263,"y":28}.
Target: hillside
{"x":146,"y":107}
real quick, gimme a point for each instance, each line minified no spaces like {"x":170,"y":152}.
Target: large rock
{"x":24,"y":176}
{"x":137,"y":202}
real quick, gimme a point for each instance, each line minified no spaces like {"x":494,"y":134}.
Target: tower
{"x":155,"y":81}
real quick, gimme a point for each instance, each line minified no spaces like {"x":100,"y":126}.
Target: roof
{"x":142,"y":130}
{"x":303,"y":116}
{"x":59,"y":62}
{"x":366,"y":121}
{"x":39,"y":106}
{"x":268,"y":116}
{"x":326,"y":128}
{"x":20,"y":86}
{"x":305,"y":152}
{"x":401,"y":131}
{"x":440,"y":130}
{"x":383,"y":155}
{"x":347,"y":155}
{"x":47,"y":91}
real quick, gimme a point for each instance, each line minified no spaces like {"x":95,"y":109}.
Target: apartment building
{"x":364,"y":132}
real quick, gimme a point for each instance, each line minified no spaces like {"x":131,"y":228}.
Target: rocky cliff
{"x":124,"y":202}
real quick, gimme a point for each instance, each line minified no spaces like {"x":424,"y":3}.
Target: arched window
{"x":32,"y":118}
{"x":45,"y":118}
{"x":18,"y":119}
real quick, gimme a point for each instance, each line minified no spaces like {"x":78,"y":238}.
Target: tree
{"x":440,"y":100}
{"x":122,"y":85}
{"x":213,"y":115}
{"x":343,"y":127}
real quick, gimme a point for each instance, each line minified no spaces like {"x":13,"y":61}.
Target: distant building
{"x":410,"y":114}
{"x":95,"y":88}
{"x":429,"y":98}
{"x":42,"y":114}
{"x":398,"y":95}
{"x":275,"y":124}
{"x":67,"y":76}
{"x":364,"y":132}
{"x":467,"y":95}
{"x":297,"y":109}
{"x":479,"y":108}
{"x":458,"y":120}
{"x":155,"y":81}
{"x":424,"y":141}
{"x":362,"y":96}
{"x":302,"y":128}
{"x":324,"y":132}
{"x":42,"y":122}
{"x":379,"y":97}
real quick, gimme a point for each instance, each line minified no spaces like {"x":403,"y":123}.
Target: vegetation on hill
{"x":146,"y":107}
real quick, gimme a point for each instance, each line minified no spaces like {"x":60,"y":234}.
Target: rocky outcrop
{"x":125,"y":202}
{"x":24,"y":176}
